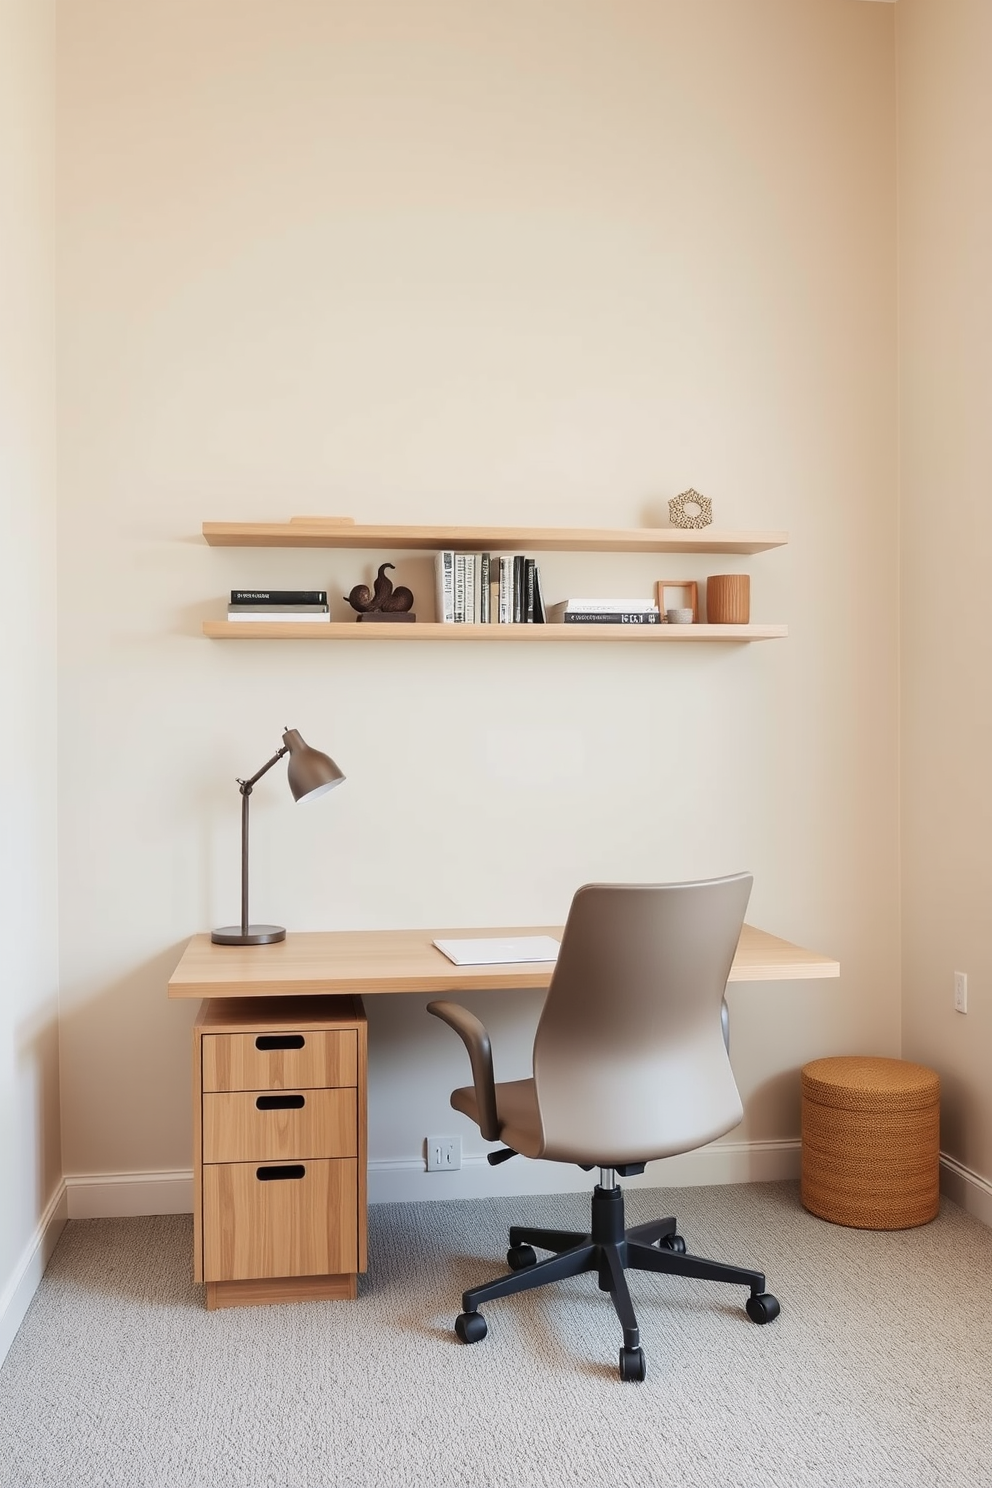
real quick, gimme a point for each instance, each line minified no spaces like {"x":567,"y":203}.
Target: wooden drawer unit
{"x":288,"y":1059}
{"x":275,"y":1126}
{"x":279,"y":1219}
{"x":279,"y":1170}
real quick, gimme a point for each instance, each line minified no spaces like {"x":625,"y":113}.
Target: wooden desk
{"x":367,"y":962}
{"x":279,"y":1090}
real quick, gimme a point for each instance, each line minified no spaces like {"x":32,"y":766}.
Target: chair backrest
{"x":629,"y":1057}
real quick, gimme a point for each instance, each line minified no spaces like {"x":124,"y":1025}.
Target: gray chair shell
{"x":629,"y":1058}
{"x":630,"y":1063}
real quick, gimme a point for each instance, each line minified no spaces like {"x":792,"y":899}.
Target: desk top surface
{"x":366,"y":962}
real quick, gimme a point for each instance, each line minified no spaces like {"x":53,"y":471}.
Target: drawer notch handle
{"x":283,"y":1170}
{"x":266,"y":1041}
{"x":279,"y":1102}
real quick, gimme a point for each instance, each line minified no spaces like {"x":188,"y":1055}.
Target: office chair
{"x":630,"y":1063}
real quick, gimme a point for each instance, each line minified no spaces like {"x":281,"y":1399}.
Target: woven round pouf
{"x":871,"y":1142}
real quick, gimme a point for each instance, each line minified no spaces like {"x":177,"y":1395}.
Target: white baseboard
{"x":124,"y":1195}
{"x":406,"y":1180}
{"x":972,"y":1192}
{"x":16,"y":1296}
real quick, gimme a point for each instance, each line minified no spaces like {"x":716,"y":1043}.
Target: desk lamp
{"x":310,"y":774}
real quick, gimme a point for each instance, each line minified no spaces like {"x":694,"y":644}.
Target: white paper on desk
{"x":507,"y":949}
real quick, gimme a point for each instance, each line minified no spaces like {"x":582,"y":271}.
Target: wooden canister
{"x":728,"y":599}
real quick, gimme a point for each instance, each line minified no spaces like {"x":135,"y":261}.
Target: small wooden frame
{"x":687,"y":597}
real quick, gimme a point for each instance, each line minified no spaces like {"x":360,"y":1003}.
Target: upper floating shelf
{"x":342,"y":532}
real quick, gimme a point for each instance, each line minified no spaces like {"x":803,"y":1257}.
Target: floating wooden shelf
{"x":313,"y":532}
{"x":343,"y":532}
{"x":261,"y":630}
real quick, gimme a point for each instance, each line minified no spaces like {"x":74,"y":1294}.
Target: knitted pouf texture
{"x":870,"y":1142}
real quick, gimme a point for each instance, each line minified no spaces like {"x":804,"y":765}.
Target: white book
{"x":444,"y":580}
{"x":499,"y":950}
{"x":608,"y":606}
{"x":297,"y":617}
{"x":459,"y":615}
{"x":505,"y":610}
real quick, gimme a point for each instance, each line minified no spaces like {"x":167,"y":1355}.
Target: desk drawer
{"x":292,"y":1219}
{"x":259,"y":1126}
{"x":280,"y":1060}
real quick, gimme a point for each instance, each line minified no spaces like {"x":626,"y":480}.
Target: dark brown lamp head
{"x":310,"y":773}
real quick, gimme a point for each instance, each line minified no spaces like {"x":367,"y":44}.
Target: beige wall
{"x":455,"y":262}
{"x":30,"y":1167}
{"x":945,"y":163}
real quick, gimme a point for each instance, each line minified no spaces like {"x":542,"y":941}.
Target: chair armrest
{"x":476,"y":1040}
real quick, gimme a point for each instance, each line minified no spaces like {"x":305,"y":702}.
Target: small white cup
{"x":678,"y":617}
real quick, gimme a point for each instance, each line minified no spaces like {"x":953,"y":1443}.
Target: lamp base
{"x":256,"y":935}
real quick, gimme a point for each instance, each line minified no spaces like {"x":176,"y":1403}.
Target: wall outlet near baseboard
{"x":961,"y":991}
{"x":444,"y":1154}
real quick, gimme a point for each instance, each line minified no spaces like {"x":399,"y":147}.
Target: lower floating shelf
{"x":262,"y":630}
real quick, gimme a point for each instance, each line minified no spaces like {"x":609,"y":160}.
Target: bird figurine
{"x":382,"y":597}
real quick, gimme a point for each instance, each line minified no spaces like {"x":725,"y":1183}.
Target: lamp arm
{"x":246,"y":785}
{"x":246,"y":788}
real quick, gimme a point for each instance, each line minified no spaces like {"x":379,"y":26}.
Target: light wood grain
{"x":281,"y":1289}
{"x":369,"y":962}
{"x":289,"y":1227}
{"x":311,"y":630}
{"x":690,"y":601}
{"x":239,"y":1016}
{"x":249,"y":1015}
{"x":197,"y":1087}
{"x":235,"y":1130}
{"x":231,"y":1061}
{"x":312,"y":532}
{"x":362,"y":1217}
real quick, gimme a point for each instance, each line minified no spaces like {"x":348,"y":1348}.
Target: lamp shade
{"x":310,"y":773}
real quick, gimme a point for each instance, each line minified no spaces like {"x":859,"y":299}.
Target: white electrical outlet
{"x":444,"y":1154}
{"x":961,"y":991}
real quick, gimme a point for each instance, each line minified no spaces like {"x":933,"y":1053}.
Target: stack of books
{"x":478,"y":589}
{"x":278,"y":604}
{"x":605,"y":612}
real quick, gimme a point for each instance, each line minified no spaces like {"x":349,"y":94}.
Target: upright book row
{"x":480,"y":589}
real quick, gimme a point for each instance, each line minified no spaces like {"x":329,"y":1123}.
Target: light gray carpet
{"x":877,"y":1373}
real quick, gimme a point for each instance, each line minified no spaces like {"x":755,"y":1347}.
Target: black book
{"x":278,"y":596}
{"x":529,"y":572}
{"x":485,"y":579}
{"x":540,"y":615}
{"x":518,"y":587}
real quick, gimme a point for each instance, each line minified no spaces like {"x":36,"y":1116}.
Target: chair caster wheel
{"x":471,"y":1327}
{"x":519,"y":1257}
{"x":762,"y":1307}
{"x":632,"y":1364}
{"x":674,"y":1243}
